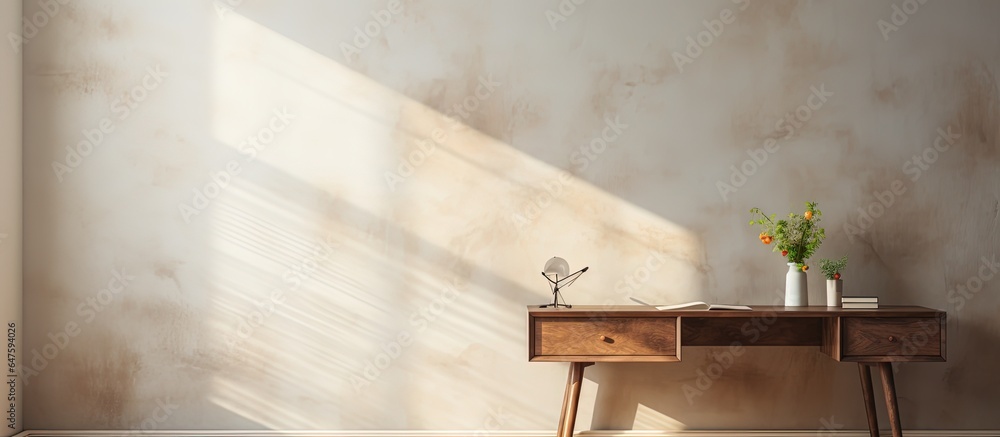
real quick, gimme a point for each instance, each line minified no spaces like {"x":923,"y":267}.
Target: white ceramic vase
{"x":796,"y":287}
{"x":834,"y":292}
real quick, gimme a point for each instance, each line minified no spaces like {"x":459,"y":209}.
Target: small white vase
{"x":796,"y":287}
{"x":834,"y":292}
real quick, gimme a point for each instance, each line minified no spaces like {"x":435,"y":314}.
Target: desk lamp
{"x":557,"y":272}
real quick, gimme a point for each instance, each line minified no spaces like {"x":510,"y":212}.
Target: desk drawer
{"x":903,"y":337}
{"x":605,"y":339}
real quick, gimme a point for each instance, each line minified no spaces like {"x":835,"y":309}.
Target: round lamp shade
{"x":557,"y":267}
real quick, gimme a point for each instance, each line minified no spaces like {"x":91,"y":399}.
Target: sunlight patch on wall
{"x":648,"y":418}
{"x":374,"y":254}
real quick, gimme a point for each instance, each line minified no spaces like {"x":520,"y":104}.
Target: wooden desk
{"x":583,"y":335}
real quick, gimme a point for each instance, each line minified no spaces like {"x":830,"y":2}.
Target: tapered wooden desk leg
{"x":869,"y":394}
{"x":567,"y":420}
{"x":891,"y":405}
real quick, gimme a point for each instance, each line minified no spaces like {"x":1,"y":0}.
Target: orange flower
{"x":808,"y":215}
{"x":804,"y":268}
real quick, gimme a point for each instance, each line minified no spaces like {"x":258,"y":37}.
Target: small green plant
{"x":831,"y":269}
{"x":798,"y":236}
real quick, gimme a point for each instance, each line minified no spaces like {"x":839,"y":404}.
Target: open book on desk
{"x":697,"y":306}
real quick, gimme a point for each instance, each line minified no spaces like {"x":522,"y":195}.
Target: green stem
{"x":802,"y":242}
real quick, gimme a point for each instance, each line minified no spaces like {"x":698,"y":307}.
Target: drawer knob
{"x":606,"y":339}
{"x":892,"y":339}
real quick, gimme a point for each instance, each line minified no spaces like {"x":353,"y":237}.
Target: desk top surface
{"x":758,"y":311}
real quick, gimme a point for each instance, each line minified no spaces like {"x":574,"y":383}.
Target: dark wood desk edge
{"x":757,"y":311}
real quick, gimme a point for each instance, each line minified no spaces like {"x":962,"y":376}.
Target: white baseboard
{"x":678,"y":433}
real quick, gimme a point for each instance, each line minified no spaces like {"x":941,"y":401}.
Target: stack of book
{"x":859,"y":302}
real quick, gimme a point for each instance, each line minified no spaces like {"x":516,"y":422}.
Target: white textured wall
{"x":10,"y":215}
{"x":182,"y":275}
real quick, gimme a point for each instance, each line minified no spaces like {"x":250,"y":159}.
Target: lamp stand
{"x":556,"y":295}
{"x":557,"y":286}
